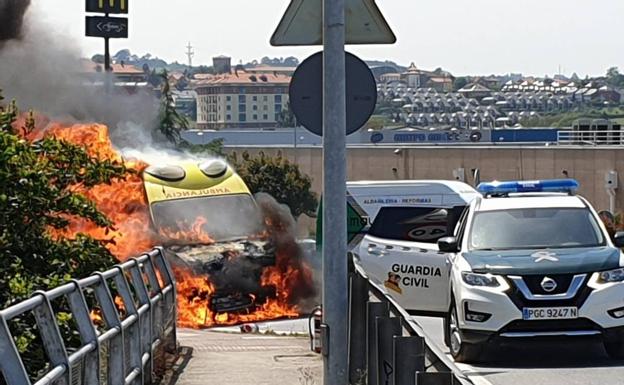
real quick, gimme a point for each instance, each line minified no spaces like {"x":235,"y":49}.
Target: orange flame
{"x":123,"y":201}
{"x":194,"y":234}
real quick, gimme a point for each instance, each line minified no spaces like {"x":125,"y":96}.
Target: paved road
{"x":228,"y":357}
{"x":572,"y":362}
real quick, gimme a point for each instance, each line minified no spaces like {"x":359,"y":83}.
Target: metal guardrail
{"x":149,"y":324}
{"x":590,"y":137}
{"x":388,"y":347}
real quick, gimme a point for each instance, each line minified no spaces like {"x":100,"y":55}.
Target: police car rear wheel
{"x":460,"y":350}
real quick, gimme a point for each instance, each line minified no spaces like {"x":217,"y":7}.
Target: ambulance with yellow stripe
{"x":206,"y":215}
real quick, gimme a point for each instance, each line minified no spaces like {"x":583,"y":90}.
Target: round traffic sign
{"x":306,"y":93}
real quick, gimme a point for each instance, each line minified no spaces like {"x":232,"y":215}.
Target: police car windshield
{"x":230,"y":217}
{"x":535,"y":228}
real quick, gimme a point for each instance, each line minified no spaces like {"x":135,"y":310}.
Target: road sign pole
{"x":335,"y":287}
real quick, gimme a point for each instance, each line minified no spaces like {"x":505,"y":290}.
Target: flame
{"x":194,"y":234}
{"x":123,"y":201}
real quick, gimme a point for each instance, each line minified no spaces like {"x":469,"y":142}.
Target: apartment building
{"x":240,"y":99}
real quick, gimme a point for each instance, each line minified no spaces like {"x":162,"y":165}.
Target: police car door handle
{"x":377,"y":252}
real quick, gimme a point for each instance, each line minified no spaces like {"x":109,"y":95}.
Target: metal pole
{"x":409,"y":358}
{"x":387,"y":328}
{"x":357,"y":330}
{"x":335,"y":287}
{"x":373,"y":310}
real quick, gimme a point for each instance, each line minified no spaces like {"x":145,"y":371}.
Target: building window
{"x":241,"y":90}
{"x":228,"y":117}
{"x":228,"y":107}
{"x":278,"y":98}
{"x":265,"y":98}
{"x":242,"y":117}
{"x":255,"y":98}
{"x":265,"y":117}
{"x":241,"y":99}
{"x":277,"y":117}
{"x":228,"y":98}
{"x":242,"y":108}
{"x":255,"y":108}
{"x":265,"y":108}
{"x":278,"y":108}
{"x":255,"y":117}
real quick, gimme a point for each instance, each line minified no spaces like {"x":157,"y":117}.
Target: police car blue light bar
{"x":549,"y":185}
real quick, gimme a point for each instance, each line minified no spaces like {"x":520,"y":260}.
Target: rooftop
{"x":117,"y":68}
{"x":243,"y":78}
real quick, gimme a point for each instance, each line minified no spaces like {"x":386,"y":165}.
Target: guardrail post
{"x":116,"y":364}
{"x":373,"y":310}
{"x":51,"y":337}
{"x":132,"y":335}
{"x":387,"y":328}
{"x":11,"y":365}
{"x":435,"y":379}
{"x":408,"y":358}
{"x":357,"y":330}
{"x":145,"y":320}
{"x":171,"y":339}
{"x":80,"y":312}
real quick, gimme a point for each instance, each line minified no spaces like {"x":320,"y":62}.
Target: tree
{"x":279,"y":178}
{"x":286,"y":118}
{"x":171,"y":122}
{"x":98,"y":58}
{"x":460,"y":83}
{"x":614,"y":77}
{"x":37,"y":200}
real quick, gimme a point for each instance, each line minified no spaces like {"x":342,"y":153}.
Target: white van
{"x":396,"y":245}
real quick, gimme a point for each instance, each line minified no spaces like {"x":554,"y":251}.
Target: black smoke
{"x":12,"y":18}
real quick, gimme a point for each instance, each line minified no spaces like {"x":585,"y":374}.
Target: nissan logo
{"x":548,"y":284}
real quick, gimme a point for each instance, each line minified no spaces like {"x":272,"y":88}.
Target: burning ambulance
{"x":211,"y":225}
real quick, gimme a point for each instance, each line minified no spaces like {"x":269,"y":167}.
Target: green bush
{"x":279,"y":178}
{"x":35,"y":201}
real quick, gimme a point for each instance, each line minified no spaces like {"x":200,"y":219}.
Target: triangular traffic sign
{"x":302,"y":24}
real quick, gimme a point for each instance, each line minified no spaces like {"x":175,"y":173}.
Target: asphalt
{"x":568,"y":361}
{"x":279,"y":354}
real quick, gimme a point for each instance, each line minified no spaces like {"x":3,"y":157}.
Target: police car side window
{"x":415,"y":224}
{"x":461,"y":224}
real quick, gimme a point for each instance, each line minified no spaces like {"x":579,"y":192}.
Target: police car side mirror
{"x":618,"y":239}
{"x":449,"y":244}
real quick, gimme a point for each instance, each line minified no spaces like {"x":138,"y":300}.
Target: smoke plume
{"x":42,"y":70}
{"x":283,"y":230}
{"x":12,"y":18}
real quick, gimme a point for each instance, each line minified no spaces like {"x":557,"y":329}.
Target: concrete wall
{"x":587,"y":165}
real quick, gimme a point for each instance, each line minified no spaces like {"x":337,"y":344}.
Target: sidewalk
{"x":211,"y":357}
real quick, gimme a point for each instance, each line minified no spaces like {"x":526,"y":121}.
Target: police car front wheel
{"x":615,"y":347}
{"x":460,"y":350}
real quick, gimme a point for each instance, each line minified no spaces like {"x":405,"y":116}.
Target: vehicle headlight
{"x":616,"y":275}
{"x":474,"y":279}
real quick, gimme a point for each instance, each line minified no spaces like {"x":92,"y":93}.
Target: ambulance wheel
{"x":460,"y":350}
{"x":615,"y":347}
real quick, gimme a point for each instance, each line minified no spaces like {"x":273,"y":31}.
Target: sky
{"x":465,"y":37}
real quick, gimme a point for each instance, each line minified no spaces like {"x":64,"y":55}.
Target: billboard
{"x":107,"y":6}
{"x":107,"y":27}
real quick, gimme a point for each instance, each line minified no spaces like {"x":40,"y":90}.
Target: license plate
{"x":535,"y":313}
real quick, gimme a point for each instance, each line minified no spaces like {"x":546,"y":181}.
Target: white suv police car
{"x":517,"y":260}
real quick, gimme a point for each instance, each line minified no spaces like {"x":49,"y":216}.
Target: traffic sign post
{"x":105,"y":26}
{"x":300,"y":26}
